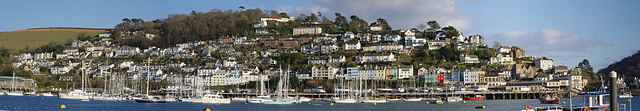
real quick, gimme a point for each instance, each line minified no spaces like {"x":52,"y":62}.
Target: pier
{"x":500,"y":95}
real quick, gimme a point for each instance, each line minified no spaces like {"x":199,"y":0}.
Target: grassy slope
{"x":18,"y":40}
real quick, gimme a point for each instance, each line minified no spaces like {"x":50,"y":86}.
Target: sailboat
{"x":282,"y":91}
{"x":262,"y":97}
{"x":373,"y":99}
{"x":343,"y":99}
{"x":412,"y":98}
{"x":77,"y":93}
{"x":148,"y":98}
{"x":13,"y":87}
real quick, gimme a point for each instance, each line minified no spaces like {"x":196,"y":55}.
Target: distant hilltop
{"x":74,"y":29}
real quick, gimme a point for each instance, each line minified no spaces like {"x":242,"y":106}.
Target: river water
{"x":32,"y":103}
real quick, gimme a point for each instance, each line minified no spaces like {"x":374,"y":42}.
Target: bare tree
{"x":496,"y":44}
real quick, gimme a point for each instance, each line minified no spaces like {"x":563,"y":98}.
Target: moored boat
{"x":345,"y":101}
{"x":151,"y":99}
{"x":15,"y":93}
{"x":75,"y":94}
{"x":549,"y":100}
{"x":47,"y":94}
{"x":625,"y":95}
{"x":212,"y":99}
{"x":477,"y":97}
{"x":412,"y":99}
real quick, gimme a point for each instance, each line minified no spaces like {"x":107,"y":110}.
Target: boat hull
{"x":283,"y":102}
{"x":345,"y":101}
{"x":64,"y":96}
{"x":150,"y":101}
{"x":374,"y":101}
{"x":552,"y":101}
{"x":473,"y":98}
{"x":14,"y":94}
{"x":412,"y":99}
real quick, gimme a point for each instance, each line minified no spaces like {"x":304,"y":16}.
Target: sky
{"x":567,"y":31}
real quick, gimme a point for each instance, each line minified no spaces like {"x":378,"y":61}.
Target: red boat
{"x":478,"y":97}
{"x":549,"y":100}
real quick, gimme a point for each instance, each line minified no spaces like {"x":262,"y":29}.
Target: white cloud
{"x":400,"y":14}
{"x":545,"y":41}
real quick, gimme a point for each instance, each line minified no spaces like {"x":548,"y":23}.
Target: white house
{"x":544,"y":63}
{"x":471,"y":76}
{"x":501,"y":59}
{"x":375,"y":57}
{"x":352,"y":45}
{"x":464,"y":58}
{"x":308,"y":30}
{"x":391,"y":37}
{"x":375,"y":27}
{"x":437,"y":44}
{"x":405,"y":72}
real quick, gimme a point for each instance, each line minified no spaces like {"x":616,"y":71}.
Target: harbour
{"x":53,"y":104}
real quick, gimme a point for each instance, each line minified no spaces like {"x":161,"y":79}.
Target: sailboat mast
{"x":148,"y":74}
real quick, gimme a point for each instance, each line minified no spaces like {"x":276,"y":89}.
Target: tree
{"x":433,"y":26}
{"x":432,"y":31}
{"x":450,"y":32}
{"x":341,"y":20}
{"x":294,"y":81}
{"x":284,"y":15}
{"x":422,"y":27}
{"x":126,"y":20}
{"x":312,"y":17}
{"x":385,"y":25}
{"x":193,"y":12}
{"x":496,"y":44}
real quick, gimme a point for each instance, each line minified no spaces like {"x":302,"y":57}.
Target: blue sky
{"x":565,"y":30}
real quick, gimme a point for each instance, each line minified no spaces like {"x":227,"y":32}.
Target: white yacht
{"x":345,"y":100}
{"x":48,"y":94}
{"x":212,"y":99}
{"x":15,"y":93}
{"x":75,"y":94}
{"x":412,"y":99}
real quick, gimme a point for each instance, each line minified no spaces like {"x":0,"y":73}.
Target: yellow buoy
{"x":628,"y":99}
{"x":331,"y":104}
{"x":464,"y":101}
{"x":427,"y":102}
{"x":375,"y":104}
{"x":480,"y":107}
{"x":63,"y":107}
{"x":207,"y":109}
{"x":564,"y":102}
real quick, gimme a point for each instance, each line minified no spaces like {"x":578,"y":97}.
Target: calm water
{"x":52,"y":103}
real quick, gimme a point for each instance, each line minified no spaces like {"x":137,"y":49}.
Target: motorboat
{"x":410,"y":99}
{"x":31,"y":94}
{"x":547,"y":99}
{"x":259,"y":99}
{"x":625,"y":95}
{"x":393,"y":99}
{"x":400,"y":90}
{"x":375,"y":100}
{"x":212,"y":99}
{"x":47,"y":94}
{"x":238,"y":99}
{"x":75,"y":94}
{"x":303,"y":99}
{"x":477,"y":97}
{"x":151,"y":99}
{"x":15,"y":93}
{"x":345,"y":101}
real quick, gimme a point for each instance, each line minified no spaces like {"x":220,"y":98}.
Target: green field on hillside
{"x":17,"y":41}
